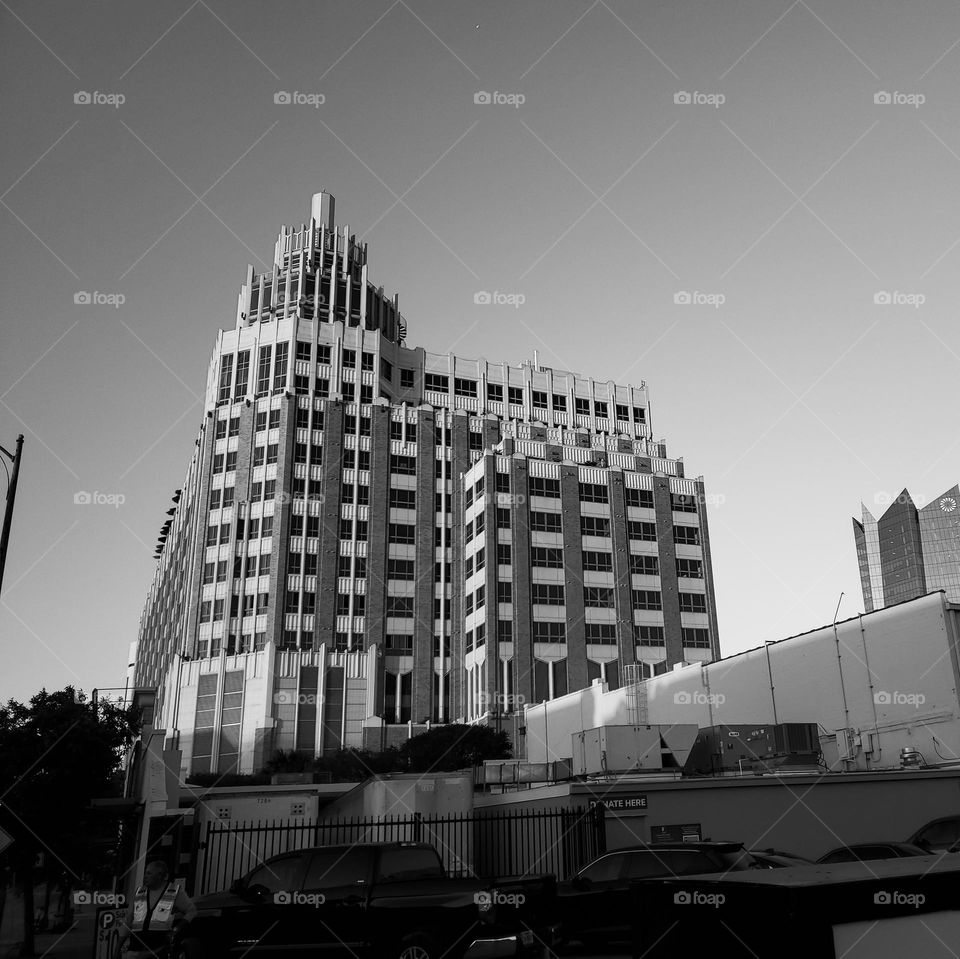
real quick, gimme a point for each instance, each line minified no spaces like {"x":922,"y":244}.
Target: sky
{"x":751,"y":207}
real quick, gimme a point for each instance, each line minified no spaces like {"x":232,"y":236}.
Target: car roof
{"x":356,"y":845}
{"x":718,"y":845}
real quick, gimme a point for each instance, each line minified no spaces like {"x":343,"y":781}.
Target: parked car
{"x":868,"y":851}
{"x":382,"y":900}
{"x":939,"y":835}
{"x":778,"y":859}
{"x":594,"y":906}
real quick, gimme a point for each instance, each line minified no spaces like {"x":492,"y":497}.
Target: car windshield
{"x":738,"y":859}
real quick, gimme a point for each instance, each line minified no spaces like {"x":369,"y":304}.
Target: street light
{"x":11,"y":496}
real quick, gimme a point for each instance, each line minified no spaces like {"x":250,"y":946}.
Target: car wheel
{"x":417,"y":947}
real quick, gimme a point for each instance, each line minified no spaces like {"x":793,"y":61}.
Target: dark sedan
{"x":595,"y":905}
{"x":869,"y":851}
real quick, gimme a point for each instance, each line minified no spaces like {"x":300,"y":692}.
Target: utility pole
{"x":11,"y":496}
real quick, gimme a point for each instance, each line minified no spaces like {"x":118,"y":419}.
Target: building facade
{"x":908,"y":552}
{"x":372,"y":537}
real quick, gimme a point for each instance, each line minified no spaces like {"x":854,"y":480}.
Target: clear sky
{"x":782,"y":199}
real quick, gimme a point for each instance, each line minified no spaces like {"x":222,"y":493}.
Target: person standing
{"x":158,"y":906}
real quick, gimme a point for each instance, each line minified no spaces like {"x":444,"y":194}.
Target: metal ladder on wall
{"x":636,"y":693}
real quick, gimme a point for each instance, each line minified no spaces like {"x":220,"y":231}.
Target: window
{"x":272,"y":451}
{"x":646,"y":599}
{"x":503,"y":518}
{"x":691,"y":568}
{"x":683,"y":504}
{"x":243,"y":374}
{"x":263,"y":370}
{"x":549,"y":632}
{"x":437,"y":382}
{"x":502,"y":482}
{"x":215,"y":498}
{"x":228,"y":492}
{"x":399,"y":605}
{"x":206,"y":608}
{"x":220,"y":431}
{"x":322,"y":387}
{"x":261,"y":421}
{"x":218,"y":609}
{"x":367,"y":361}
{"x":623,"y":412}
{"x":604,"y":633}
{"x":303,"y":418}
{"x":594,"y":526}
{"x":348,"y":390}
{"x":597,"y":562}
{"x":296,"y":525}
{"x":693,"y":638}
{"x":600,"y":409}
{"x":269,"y":489}
{"x":293,"y":564}
{"x":406,"y":379}
{"x":539,"y":400}
{"x":350,"y":359}
{"x":581,"y":406}
{"x":642,"y":498}
{"x":545,"y":522}
{"x":403,"y":465}
{"x":644,"y":565}
{"x":515,"y":395}
{"x":266,"y":526}
{"x":303,"y":350}
{"x":559,"y":403}
{"x":495,"y":392}
{"x":234,"y":426}
{"x":231,"y":463}
{"x":544,"y":486}
{"x":476,"y":441}
{"x":693,"y":603}
{"x":686,"y":535}
{"x":218,"y":463}
{"x":226,"y":375}
{"x":547,"y":594}
{"x":399,"y":643}
{"x":401,"y":533}
{"x":403,"y":498}
{"x":208,"y":569}
{"x":649,"y":635}
{"x":639,"y":414}
{"x":463,"y":387}
{"x":224,"y":533}
{"x":550,"y":558}
{"x":645,"y":532}
{"x":593,"y":493}
{"x":386,"y":369}
{"x":504,"y":557}
{"x":504,"y":592}
{"x":397,"y":568}
{"x":598,"y":597}
{"x":274,"y":418}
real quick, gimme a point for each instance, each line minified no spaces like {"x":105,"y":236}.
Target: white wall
{"x":899,"y":687}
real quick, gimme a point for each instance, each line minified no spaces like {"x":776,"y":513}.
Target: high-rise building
{"x":371,"y":537}
{"x":908,"y":551}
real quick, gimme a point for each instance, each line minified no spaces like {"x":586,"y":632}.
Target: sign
{"x":107,"y":932}
{"x":6,"y":840}
{"x":621,"y":803}
{"x":677,"y":832}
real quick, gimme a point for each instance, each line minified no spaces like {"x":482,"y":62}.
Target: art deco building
{"x":371,"y":537}
{"x":909,"y":552}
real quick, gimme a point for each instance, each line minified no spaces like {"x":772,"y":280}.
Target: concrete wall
{"x":890,"y":677}
{"x":807,"y":814}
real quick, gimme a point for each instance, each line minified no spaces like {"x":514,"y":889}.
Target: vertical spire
{"x":322,"y":209}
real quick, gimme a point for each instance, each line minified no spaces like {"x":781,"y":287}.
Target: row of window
{"x":253,"y":604}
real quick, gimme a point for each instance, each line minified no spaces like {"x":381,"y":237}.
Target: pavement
{"x":76,"y":942}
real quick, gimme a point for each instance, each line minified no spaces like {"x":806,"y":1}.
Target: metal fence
{"x":501,"y":843}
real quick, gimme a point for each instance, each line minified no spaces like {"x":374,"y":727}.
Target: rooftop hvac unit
{"x":768,"y":748}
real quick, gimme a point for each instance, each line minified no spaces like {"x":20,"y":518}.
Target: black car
{"x":377,"y":900}
{"x":594,"y":906}
{"x":778,"y":859}
{"x":940,"y":835}
{"x":869,"y":851}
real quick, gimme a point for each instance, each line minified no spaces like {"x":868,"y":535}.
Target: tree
{"x":453,"y":746}
{"x":57,"y":753}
